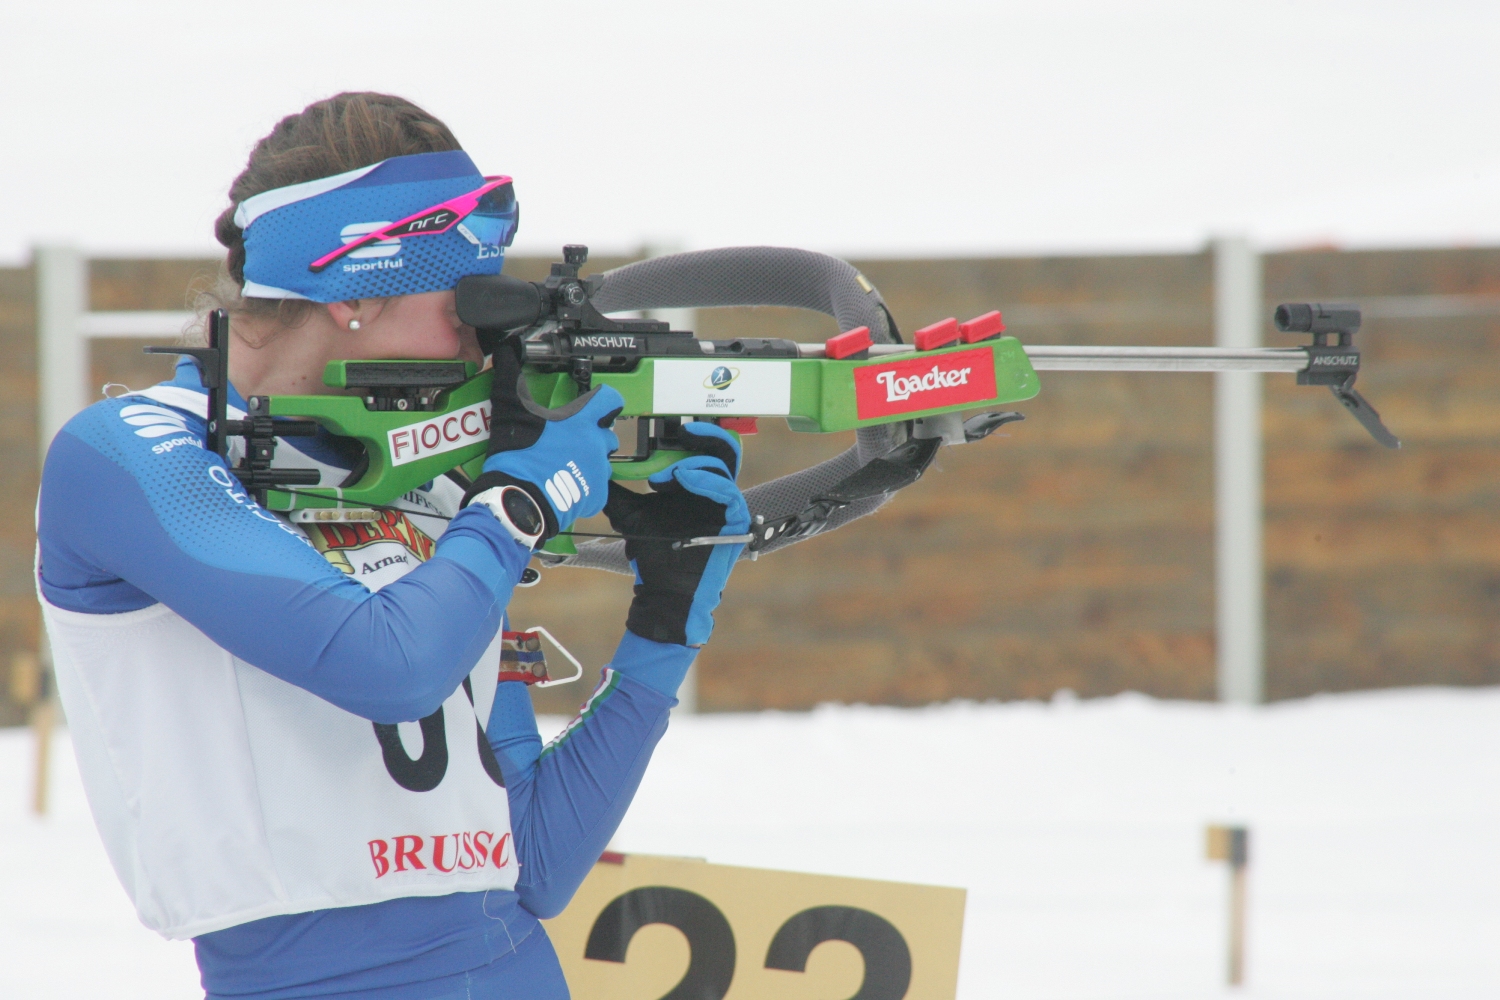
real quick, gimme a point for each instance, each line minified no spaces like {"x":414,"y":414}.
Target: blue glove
{"x":560,"y":457}
{"x":677,"y":590}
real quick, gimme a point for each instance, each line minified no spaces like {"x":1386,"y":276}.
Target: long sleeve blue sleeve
{"x":568,"y":798}
{"x":126,"y":521}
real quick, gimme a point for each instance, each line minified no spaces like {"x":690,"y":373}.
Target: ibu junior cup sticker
{"x":924,"y":383}
{"x":722,"y":388}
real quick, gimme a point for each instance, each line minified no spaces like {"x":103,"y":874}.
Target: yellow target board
{"x":651,"y":928}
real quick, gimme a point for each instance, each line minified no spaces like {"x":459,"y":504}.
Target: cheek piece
{"x":402,"y":226}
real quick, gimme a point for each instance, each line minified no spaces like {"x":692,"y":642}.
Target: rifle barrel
{"x":1071,"y":358}
{"x":1063,"y":358}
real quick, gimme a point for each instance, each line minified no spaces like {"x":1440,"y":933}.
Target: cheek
{"x":422,"y":337}
{"x":468,"y":345}
{"x":420,"y":327}
{"x":439,"y":339}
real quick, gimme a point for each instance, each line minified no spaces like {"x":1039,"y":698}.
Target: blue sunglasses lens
{"x":496,"y":217}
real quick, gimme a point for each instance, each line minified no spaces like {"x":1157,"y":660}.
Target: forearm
{"x":568,"y":798}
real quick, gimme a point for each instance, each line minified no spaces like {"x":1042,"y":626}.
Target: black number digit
{"x":487,"y":757}
{"x":887,"y":958}
{"x":426,"y":772}
{"x":486,"y":752}
{"x":710,"y":941}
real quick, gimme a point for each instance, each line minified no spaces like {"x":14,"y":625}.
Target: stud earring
{"x":354,"y":324}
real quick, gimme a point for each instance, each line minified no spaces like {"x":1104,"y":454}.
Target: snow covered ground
{"x":1077,"y":827}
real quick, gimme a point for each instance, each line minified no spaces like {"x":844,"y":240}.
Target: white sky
{"x":863,"y":128}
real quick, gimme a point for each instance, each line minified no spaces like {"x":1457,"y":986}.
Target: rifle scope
{"x":1315,"y":317}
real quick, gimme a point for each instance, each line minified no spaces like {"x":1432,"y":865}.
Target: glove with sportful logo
{"x":677,"y":590}
{"x":560,"y":457}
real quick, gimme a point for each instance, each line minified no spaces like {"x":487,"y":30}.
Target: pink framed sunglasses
{"x":488,"y":214}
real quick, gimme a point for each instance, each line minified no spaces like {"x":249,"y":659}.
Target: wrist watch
{"x":516,"y":511}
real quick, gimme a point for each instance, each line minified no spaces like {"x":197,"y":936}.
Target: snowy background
{"x":858,"y":128}
{"x":1076,"y":826}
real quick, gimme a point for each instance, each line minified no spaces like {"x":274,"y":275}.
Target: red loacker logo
{"x":924,"y":383}
{"x":442,"y":853}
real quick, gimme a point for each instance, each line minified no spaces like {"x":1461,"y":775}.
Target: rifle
{"x":418,"y":420}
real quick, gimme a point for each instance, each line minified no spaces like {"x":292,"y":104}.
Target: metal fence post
{"x":1238,"y":479}
{"x":62,"y":362}
{"x":62,"y":359}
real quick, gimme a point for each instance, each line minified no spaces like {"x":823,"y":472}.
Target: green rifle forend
{"x":416,"y":431}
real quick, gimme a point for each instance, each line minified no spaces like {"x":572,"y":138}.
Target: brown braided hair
{"x":342,"y":133}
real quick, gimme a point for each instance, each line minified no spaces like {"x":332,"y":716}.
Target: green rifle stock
{"x":418,"y":434}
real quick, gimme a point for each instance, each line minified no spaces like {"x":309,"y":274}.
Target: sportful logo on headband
{"x":385,"y":248}
{"x":339,"y":221}
{"x":491,"y":207}
{"x":385,"y":251}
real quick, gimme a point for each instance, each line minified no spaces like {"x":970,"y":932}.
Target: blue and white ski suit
{"x":242,"y":696}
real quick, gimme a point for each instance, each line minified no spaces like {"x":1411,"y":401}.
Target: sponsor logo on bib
{"x":440,"y":853}
{"x":361,"y":548}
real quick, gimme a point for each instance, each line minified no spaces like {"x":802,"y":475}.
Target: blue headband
{"x":288,"y":228}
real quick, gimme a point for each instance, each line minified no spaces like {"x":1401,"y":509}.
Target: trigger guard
{"x":643,"y":468}
{"x":626,"y":470}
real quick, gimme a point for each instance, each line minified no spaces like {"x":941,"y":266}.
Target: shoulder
{"x":133,"y":439}
{"x":134,"y":428}
{"x":128,"y":446}
{"x":133,"y":461}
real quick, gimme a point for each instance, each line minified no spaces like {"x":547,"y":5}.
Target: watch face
{"x":522,"y":510}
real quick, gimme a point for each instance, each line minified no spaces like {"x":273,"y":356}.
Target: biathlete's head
{"x":352,"y":223}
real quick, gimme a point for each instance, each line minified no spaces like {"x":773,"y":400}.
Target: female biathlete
{"x":236,"y":683}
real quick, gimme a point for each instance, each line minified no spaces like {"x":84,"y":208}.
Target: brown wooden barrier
{"x":1073,"y":552}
